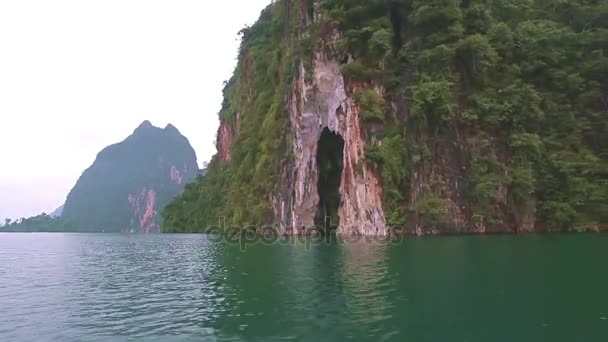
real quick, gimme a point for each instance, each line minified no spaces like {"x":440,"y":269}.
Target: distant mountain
{"x":129,"y":183}
{"x":57,"y":212}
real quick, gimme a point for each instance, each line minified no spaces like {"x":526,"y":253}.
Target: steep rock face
{"x":130,"y":182}
{"x":225,"y":136}
{"x":144,"y":211}
{"x":313,"y":108}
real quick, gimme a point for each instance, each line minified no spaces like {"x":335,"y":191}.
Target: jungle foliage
{"x":518,"y":86}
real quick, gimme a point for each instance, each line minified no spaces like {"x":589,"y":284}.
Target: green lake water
{"x":78,"y":287}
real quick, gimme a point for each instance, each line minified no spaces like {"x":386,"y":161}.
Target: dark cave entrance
{"x":330,"y":151}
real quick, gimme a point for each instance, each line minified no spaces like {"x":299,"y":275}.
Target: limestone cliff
{"x":315,"y":107}
{"x":371,"y":117}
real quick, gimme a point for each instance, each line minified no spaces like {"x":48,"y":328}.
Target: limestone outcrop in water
{"x":369,"y":117}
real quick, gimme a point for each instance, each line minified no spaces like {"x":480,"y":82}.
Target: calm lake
{"x":77,"y":287}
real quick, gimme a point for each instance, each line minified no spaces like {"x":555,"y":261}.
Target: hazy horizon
{"x":78,"y":76}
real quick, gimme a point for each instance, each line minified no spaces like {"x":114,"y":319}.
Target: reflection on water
{"x":71,"y":287}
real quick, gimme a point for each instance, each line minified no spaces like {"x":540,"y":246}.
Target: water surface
{"x":76,"y":287}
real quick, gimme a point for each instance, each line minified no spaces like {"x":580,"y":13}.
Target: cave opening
{"x":330,"y":151}
{"x":311,"y":10}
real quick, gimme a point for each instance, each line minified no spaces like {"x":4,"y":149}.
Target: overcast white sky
{"x":78,"y":75}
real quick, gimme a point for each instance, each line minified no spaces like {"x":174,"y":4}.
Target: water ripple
{"x":73,"y":287}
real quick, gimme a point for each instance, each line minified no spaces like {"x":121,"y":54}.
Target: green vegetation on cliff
{"x":494,"y":113}
{"x":255,"y":96}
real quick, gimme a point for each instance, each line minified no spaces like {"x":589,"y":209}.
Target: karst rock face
{"x":314,"y":105}
{"x":313,"y":108}
{"x":322,"y":99}
{"x":129,"y":183}
{"x":374,"y":117}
